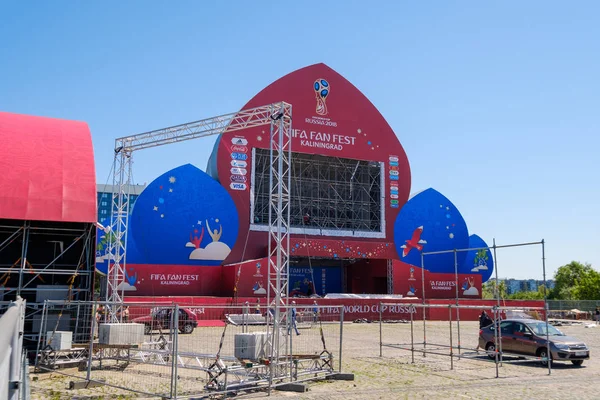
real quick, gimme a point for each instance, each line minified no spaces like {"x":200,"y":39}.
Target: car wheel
{"x":147,"y":329}
{"x":491,"y":350}
{"x":543,"y":353}
{"x":577,"y":362}
{"x":188,"y":329}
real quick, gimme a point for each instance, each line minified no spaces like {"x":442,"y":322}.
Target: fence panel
{"x":170,"y":350}
{"x":11,"y":351}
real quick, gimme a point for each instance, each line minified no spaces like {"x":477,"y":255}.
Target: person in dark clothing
{"x":484,"y":320}
{"x":306,"y":218}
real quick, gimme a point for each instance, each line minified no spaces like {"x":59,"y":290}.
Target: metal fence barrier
{"x":177,"y":350}
{"x":454,"y":349}
{"x":13,"y":374}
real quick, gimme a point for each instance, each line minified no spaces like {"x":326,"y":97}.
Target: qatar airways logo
{"x":238,"y":178}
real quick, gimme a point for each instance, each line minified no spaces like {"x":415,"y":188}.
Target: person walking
{"x":125,"y":315}
{"x":484,"y":320}
{"x":257,"y":307}
{"x":245,"y":312}
{"x":315,"y":311}
{"x":293,"y":320}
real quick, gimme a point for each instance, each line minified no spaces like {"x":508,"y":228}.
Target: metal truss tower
{"x":279,"y":239}
{"x":278,"y":116}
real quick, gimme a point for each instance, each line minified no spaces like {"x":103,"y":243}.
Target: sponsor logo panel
{"x":239,"y":156}
{"x":239,"y":164}
{"x":238,"y":178}
{"x":238,"y":171}
{"x":239,"y":149}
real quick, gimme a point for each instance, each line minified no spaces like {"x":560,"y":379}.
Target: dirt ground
{"x":394,"y":375}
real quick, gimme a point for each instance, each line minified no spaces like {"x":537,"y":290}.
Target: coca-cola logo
{"x":239,"y":149}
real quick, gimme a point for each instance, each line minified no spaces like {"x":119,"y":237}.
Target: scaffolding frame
{"x":22,"y":270}
{"x":332,"y":195}
{"x":279,"y":117}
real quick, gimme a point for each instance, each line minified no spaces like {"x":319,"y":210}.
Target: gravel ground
{"x":394,"y":375}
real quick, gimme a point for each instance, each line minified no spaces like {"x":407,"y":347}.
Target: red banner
{"x":214,"y":308}
{"x":408,"y":281}
{"x":164,"y":280}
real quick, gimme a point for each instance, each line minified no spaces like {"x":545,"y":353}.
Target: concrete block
{"x":292,"y":387}
{"x":59,"y":340}
{"x":121,"y":334}
{"x":341,"y":377}
{"x":74,"y":385}
{"x":250,"y":346}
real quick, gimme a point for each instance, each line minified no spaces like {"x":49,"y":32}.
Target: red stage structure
{"x":352,"y":227}
{"x":47,"y":214}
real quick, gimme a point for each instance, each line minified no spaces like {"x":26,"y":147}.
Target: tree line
{"x":573,"y":281}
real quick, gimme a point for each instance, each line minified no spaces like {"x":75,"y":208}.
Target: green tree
{"x":589,"y":286}
{"x":488,"y":289}
{"x":527,"y":295}
{"x":576,"y":281}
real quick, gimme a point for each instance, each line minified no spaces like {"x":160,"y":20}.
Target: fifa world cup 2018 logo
{"x":322,"y":90}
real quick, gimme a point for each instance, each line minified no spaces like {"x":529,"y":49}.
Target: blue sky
{"x":495,"y":103}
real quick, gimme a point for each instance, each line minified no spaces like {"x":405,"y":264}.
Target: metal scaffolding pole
{"x":390,"y":277}
{"x":279,"y":239}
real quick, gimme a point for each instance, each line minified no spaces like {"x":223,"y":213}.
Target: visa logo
{"x":238,"y":186}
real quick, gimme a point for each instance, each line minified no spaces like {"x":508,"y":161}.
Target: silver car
{"x":528,"y":337}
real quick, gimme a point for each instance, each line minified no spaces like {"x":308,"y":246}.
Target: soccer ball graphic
{"x":322,"y":90}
